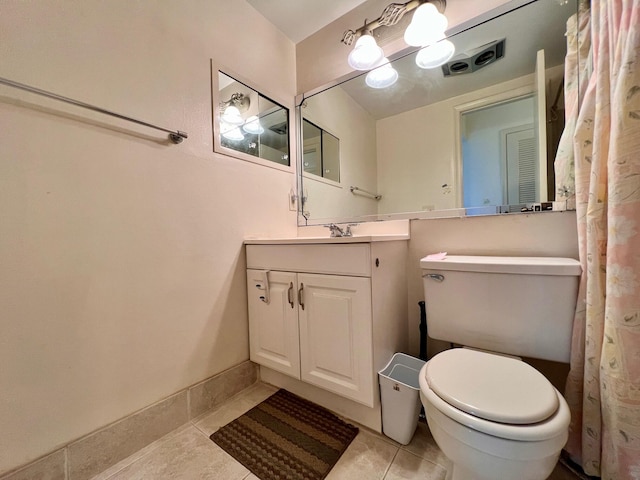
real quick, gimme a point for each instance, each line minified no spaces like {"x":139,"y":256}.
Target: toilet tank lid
{"x":514,"y":265}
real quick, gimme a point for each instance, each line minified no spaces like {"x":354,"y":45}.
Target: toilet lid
{"x":491,"y":386}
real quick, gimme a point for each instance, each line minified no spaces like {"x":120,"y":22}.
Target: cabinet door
{"x":273,"y":326}
{"x":335,"y":334}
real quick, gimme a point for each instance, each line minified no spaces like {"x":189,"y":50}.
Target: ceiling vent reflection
{"x":475,"y":59}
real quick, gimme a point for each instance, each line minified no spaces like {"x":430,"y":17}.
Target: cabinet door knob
{"x":300,"y":295}
{"x":290,"y":294}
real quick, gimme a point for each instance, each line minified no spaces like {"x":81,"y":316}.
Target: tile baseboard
{"x":86,"y":457}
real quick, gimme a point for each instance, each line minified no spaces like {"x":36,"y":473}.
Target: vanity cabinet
{"x":328,"y":315}
{"x":316,"y":328}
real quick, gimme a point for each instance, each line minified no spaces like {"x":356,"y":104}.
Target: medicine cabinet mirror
{"x":247,"y":124}
{"x":412,"y":150}
{"x":321,"y":152}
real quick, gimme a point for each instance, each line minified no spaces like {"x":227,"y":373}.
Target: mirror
{"x":247,"y":124}
{"x":320,"y":152}
{"x":409,"y":150}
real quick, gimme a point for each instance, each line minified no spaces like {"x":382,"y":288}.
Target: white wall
{"x":122,"y":277}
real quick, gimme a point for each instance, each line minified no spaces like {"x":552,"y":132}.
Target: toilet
{"x":493,"y":415}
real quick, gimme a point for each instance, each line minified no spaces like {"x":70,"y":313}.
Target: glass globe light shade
{"x":435,"y":55}
{"x":383,"y":76}
{"x":417,"y":36}
{"x":428,"y":17}
{"x":232,"y":116}
{"x":231,"y":132}
{"x":253,"y":125}
{"x":365,"y":54}
{"x":427,"y":26}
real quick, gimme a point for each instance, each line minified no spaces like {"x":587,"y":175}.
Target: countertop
{"x":327,"y":239}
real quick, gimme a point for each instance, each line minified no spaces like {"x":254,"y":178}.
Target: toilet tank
{"x":516,"y":305}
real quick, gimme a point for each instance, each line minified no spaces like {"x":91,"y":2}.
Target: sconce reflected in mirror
{"x":247,"y":124}
{"x":231,"y":118}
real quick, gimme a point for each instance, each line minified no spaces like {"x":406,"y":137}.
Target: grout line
{"x":67,"y":473}
{"x":391,"y":463}
{"x":189,"y":403}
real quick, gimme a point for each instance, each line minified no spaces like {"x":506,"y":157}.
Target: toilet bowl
{"x":493,"y":416}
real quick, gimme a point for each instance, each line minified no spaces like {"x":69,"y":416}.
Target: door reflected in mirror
{"x":499,"y":154}
{"x":404,"y":141}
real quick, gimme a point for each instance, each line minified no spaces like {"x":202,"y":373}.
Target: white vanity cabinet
{"x":316,"y":328}
{"x":328,"y":315}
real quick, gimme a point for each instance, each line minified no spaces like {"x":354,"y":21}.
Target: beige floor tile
{"x":51,"y":467}
{"x":188,"y":456}
{"x":423,"y":445}
{"x":407,"y":466}
{"x":562,"y":473}
{"x":251,"y":476}
{"x":257,"y":393}
{"x":234,"y":408}
{"x":367,"y":458}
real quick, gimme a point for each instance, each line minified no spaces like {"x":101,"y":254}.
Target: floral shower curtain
{"x":603,"y":388}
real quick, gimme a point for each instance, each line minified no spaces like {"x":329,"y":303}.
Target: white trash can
{"x":400,"y":397}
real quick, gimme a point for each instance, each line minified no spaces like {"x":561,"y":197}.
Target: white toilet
{"x":493,"y":415}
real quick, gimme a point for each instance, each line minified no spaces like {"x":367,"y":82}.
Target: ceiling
{"x":298,"y":19}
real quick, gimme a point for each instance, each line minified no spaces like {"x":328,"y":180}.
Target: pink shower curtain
{"x":603,"y":388}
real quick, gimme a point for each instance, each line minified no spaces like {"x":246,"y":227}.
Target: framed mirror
{"x":247,"y":124}
{"x":414,"y":149}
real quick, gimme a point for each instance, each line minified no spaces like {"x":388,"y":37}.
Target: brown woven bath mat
{"x":286,"y":438}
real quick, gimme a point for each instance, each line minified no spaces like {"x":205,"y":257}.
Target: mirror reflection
{"x":471,"y":136}
{"x":321,"y":152}
{"x":250,"y":124}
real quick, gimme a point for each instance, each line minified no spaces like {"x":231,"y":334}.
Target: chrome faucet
{"x":336,"y":231}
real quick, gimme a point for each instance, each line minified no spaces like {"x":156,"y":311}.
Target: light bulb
{"x":230,"y":132}
{"x":383,"y":76}
{"x":427,"y":26}
{"x":435,"y":55}
{"x":428,"y":16}
{"x":253,"y":125}
{"x":232,"y":116}
{"x":365,"y":54}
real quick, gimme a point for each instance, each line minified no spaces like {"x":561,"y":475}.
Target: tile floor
{"x":189,"y":454}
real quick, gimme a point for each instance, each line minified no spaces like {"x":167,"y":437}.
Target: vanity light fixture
{"x":230,"y":131}
{"x":382,"y":76}
{"x":232,"y":124}
{"x":253,"y":125}
{"x":232,"y":108}
{"x":234,"y":134}
{"x":366,"y":54}
{"x":427,"y":27}
{"x":435,"y":55}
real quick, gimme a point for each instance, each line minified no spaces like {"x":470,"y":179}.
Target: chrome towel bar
{"x":175,"y":136}
{"x":361,"y":191}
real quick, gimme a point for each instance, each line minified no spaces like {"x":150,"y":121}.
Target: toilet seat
{"x":551,"y":427}
{"x":492,"y":387}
